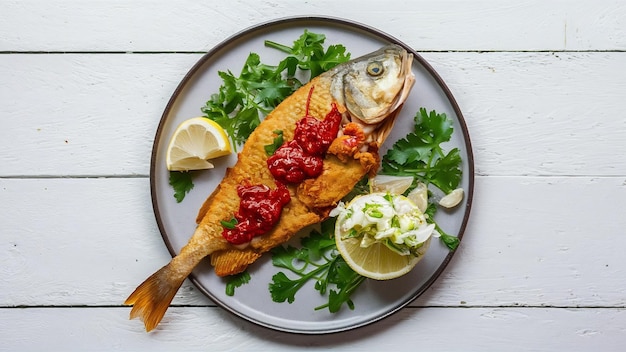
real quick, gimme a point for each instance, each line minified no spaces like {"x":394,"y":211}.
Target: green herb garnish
{"x":317,"y":260}
{"x":235,"y":281}
{"x":420,"y":154}
{"x":309,"y":52}
{"x":182,"y":182}
{"x":278,"y":141}
{"x":243,"y":100}
{"x":230,"y":224}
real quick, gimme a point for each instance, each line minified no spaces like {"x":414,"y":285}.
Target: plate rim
{"x":337,"y":21}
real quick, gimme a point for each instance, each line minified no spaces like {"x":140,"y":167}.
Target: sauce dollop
{"x":292,"y":164}
{"x":302,"y":157}
{"x":259,"y":210}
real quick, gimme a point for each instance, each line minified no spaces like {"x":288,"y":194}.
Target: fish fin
{"x":230,"y":262}
{"x":151,"y":299}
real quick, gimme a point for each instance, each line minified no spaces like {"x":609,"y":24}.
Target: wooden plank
{"x":531,"y":241}
{"x":97,"y":114}
{"x":431,"y":329}
{"x":540,"y":113}
{"x":528,"y":113}
{"x":74,"y":25}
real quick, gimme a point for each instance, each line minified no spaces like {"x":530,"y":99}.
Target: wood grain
{"x":527,"y":113}
{"x":525,"y":245}
{"x":201,"y":329}
{"x":157,"y":26}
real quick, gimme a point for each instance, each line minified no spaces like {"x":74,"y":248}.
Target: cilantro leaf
{"x":434,"y":128}
{"x":317,"y":244}
{"x":452,"y":242}
{"x":235,"y":281}
{"x":182,"y":182}
{"x":284,"y":256}
{"x":283,"y":288}
{"x":446,"y":173}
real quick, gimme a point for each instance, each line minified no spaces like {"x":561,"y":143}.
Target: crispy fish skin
{"x":252,"y":167}
{"x":311,"y":200}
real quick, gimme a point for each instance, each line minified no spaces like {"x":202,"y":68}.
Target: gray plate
{"x":176,"y":221}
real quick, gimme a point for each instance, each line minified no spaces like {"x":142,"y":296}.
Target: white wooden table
{"x":542,"y":85}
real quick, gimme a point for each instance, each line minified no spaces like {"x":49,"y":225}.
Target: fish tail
{"x":151,"y":299}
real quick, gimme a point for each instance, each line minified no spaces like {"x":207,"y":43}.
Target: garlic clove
{"x":452,"y":199}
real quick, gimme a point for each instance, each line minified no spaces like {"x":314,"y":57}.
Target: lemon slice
{"x":372,"y":258}
{"x":377,"y":261}
{"x":194,"y":143}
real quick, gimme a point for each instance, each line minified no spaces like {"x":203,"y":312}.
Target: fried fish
{"x":366,"y":94}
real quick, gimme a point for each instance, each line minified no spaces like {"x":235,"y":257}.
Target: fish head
{"x":373,"y":87}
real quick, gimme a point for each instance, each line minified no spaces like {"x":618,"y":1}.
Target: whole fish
{"x":364,"y":95}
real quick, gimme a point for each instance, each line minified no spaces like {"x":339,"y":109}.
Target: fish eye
{"x":375,"y":68}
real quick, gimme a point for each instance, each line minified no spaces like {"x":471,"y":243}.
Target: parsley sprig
{"x":182,"y":182}
{"x":235,"y":281}
{"x":420,"y":153}
{"x":309,"y":52}
{"x":319,"y":261}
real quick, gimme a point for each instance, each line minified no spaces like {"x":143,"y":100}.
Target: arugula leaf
{"x":235,"y":281}
{"x":182,"y":182}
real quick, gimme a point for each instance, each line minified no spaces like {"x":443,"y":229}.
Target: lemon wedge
{"x":388,"y":183}
{"x":382,"y":236}
{"x":194,"y":142}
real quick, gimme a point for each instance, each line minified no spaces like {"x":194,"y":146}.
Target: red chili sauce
{"x":303,"y":157}
{"x":294,"y":161}
{"x":259,"y":210}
